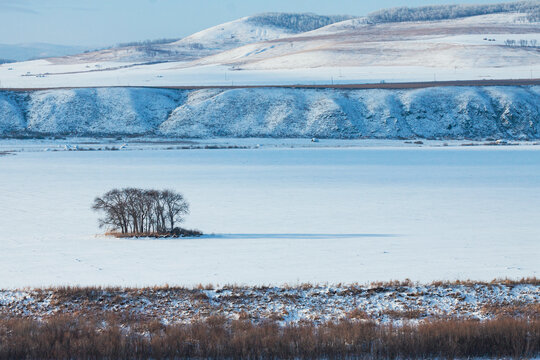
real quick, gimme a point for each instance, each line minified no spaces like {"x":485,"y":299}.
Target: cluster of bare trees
{"x":140,"y":211}
{"x":148,"y":42}
{"x":445,"y":12}
{"x":296,"y":22}
{"x":522,"y":43}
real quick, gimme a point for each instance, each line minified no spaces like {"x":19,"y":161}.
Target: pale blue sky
{"x":107,"y":22}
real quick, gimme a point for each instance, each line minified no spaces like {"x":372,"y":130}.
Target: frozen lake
{"x":279,"y":216}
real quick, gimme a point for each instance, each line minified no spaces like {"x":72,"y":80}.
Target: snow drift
{"x":510,"y":112}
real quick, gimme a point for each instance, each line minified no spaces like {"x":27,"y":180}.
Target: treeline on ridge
{"x":445,"y":12}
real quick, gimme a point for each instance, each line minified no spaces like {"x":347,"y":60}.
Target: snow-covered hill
{"x":531,"y":9}
{"x":247,"y":30}
{"x":446,"y":113}
{"x":423,"y":44}
{"x":459,"y":44}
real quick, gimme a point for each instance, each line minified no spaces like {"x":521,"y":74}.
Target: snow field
{"x":275,"y":216}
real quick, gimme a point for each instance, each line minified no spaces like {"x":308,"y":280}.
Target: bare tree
{"x":137,"y":211}
{"x":175,"y":207}
{"x":446,"y":12}
{"x":114,"y":205}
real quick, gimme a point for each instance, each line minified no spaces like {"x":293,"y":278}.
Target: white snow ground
{"x":279,"y":216}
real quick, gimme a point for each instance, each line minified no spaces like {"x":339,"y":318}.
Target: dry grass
{"x":373,"y":286}
{"x":516,"y":309}
{"x":403,"y":314}
{"x":382,"y":302}
{"x":121,"y":323}
{"x":448,"y":283}
{"x":501,"y":281}
{"x":358,"y":314}
{"x":111,"y":337}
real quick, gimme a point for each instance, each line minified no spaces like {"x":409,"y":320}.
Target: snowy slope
{"x":252,"y":29}
{"x":446,"y":112}
{"x":216,"y":39}
{"x":457,"y":44}
{"x":99,"y":111}
{"x":284,"y":49}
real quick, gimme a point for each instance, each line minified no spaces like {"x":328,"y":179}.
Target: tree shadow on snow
{"x":297,"y":236}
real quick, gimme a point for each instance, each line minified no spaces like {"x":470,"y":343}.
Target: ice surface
{"x":278,"y":216}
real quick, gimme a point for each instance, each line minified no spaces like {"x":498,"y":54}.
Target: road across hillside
{"x":382,"y":85}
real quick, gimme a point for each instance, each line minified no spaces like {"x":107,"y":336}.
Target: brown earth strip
{"x":395,"y":86}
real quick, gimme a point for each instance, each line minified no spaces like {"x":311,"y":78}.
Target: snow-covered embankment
{"x":510,"y":112}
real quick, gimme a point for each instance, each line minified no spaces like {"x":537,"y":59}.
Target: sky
{"x":98,"y":23}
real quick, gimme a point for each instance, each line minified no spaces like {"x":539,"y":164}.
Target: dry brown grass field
{"x":115,"y":337}
{"x":391,"y":320}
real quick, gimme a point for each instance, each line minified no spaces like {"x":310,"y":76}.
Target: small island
{"x":133,"y":212}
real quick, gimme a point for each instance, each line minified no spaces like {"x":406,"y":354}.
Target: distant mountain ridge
{"x":447,"y":12}
{"x":23,"y":52}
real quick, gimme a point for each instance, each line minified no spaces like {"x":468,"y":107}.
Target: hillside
{"x":247,"y":30}
{"x":426,"y":44}
{"x":530,"y":9}
{"x":435,"y":43}
{"x":509,"y":112}
{"x":456,"y":45}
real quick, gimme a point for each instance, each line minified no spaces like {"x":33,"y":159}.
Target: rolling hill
{"x":247,"y":30}
{"x":404,"y":44}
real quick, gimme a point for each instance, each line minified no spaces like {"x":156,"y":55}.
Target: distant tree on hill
{"x":445,"y":12}
{"x":139,"y":211}
{"x":296,"y":22}
{"x":148,"y":42}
